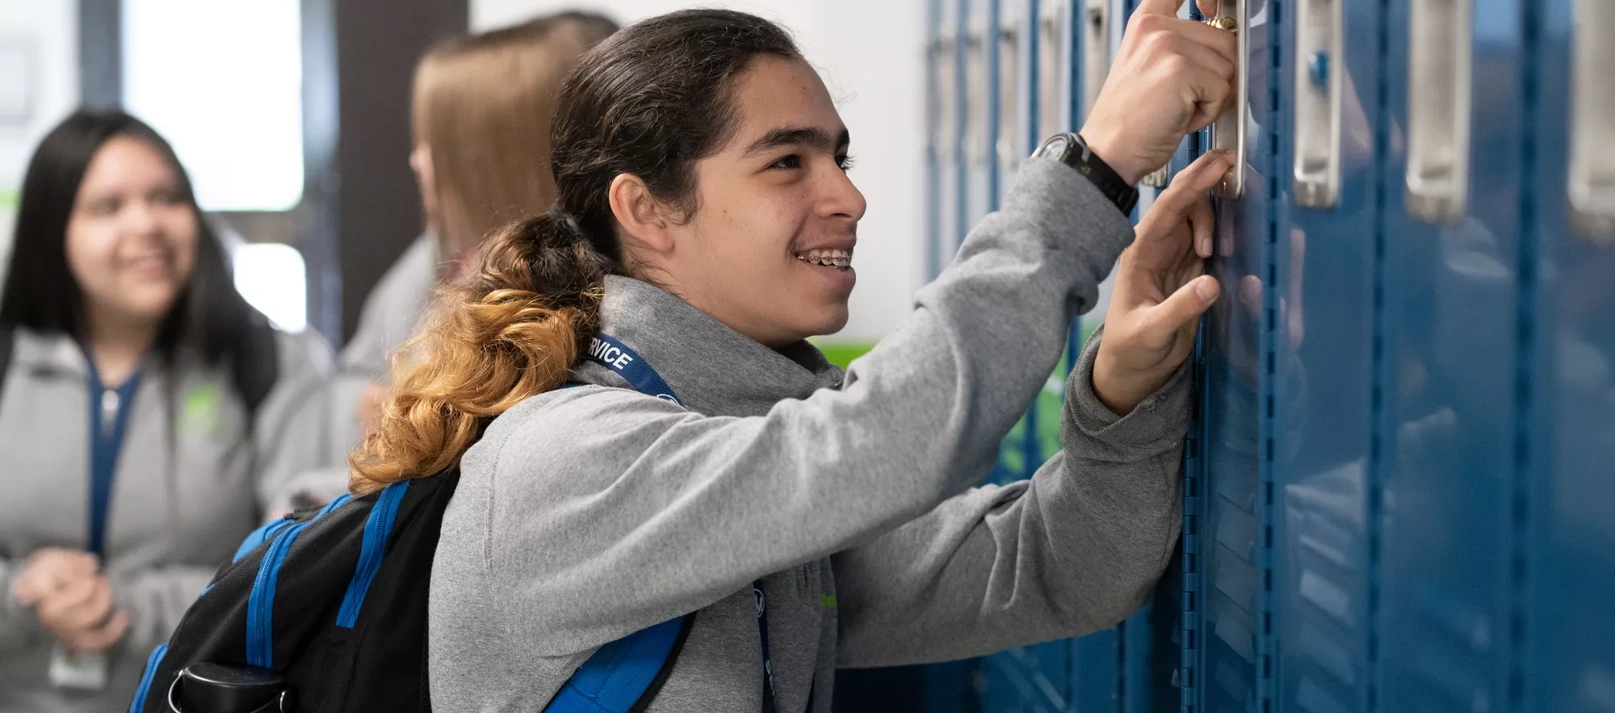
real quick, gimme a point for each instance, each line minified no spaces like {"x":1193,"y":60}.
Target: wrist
{"x":1121,"y":389}
{"x":1105,"y":145}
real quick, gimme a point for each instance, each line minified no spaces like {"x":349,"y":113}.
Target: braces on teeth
{"x":838,"y":259}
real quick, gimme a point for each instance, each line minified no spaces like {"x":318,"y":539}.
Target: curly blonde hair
{"x":510,"y":330}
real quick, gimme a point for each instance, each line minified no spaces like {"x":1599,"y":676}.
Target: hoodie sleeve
{"x":155,"y":599}
{"x":1072,"y":550}
{"x":570,"y":495}
{"x":18,"y":624}
{"x":291,"y":428}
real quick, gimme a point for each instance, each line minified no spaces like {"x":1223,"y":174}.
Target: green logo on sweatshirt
{"x":199,"y":414}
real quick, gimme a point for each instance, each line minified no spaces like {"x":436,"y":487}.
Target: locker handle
{"x":1051,"y":68}
{"x":1095,"y":53}
{"x":1319,"y":82}
{"x":1229,"y":130}
{"x":976,"y":100}
{"x":1011,"y":131}
{"x":1592,"y":116}
{"x":943,"y":141}
{"x":1439,"y":101}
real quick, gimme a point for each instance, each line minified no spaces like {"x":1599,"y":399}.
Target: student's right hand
{"x":1171,"y":77}
{"x":72,"y":599}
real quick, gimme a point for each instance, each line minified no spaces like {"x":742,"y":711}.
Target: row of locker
{"x":1399,"y":485}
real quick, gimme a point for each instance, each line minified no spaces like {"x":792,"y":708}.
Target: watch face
{"x":1056,"y":146}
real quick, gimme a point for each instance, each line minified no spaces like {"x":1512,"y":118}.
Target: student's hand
{"x":1170,"y":78}
{"x":48,"y":569}
{"x":371,"y":402}
{"x":1161,"y":290}
{"x":72,"y":599}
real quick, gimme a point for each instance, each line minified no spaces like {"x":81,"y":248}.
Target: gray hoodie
{"x":187,"y":490}
{"x":391,"y":313}
{"x":586,"y":514}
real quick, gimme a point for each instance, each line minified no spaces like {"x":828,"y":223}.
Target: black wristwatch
{"x":1071,"y":150}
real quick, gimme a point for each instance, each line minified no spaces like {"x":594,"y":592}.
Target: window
{"x":222,"y":81}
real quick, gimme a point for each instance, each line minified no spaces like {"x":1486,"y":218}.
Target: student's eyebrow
{"x":799,"y":136}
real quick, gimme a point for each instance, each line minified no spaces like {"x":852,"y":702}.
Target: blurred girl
{"x":149,"y":417}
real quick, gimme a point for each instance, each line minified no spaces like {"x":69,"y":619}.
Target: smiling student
{"x":644,"y":436}
{"x":149,"y":416}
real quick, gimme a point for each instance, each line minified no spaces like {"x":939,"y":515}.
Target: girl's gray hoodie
{"x":586,"y":514}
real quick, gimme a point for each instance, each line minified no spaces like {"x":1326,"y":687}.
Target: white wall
{"x":39,"y":73}
{"x":870,"y":53}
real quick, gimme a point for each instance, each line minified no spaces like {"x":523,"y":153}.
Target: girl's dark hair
{"x":651,"y":101}
{"x":42,"y":295}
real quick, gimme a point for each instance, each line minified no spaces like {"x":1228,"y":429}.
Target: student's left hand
{"x":1161,"y":290}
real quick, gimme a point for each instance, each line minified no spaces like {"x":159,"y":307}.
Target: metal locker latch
{"x":1319,"y":82}
{"x":1095,"y":53}
{"x":1229,"y":131}
{"x":943,"y":141}
{"x":1592,"y":116}
{"x":1053,"y":61}
{"x":1011,"y":127}
{"x":1439,"y":101}
{"x":977,"y":103}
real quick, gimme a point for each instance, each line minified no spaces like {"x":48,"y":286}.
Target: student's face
{"x":774,"y":204}
{"x":131,"y":240}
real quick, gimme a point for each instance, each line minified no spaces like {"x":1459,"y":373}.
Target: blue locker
{"x":1452,"y":246}
{"x":1567,"y":563}
{"x":1322,"y":302}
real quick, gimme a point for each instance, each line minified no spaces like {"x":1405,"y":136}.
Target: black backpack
{"x":325,"y":611}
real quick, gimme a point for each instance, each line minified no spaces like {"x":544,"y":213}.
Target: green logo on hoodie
{"x":200,"y":415}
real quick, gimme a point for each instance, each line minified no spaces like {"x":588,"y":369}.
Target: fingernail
{"x":1206,"y":289}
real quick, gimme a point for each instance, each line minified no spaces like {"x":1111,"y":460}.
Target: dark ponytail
{"x":651,"y":101}
{"x":511,"y":330}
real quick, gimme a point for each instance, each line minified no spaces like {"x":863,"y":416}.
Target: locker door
{"x":1231,"y":517}
{"x":1452,"y":227}
{"x":1569,"y":663}
{"x":1322,"y":306}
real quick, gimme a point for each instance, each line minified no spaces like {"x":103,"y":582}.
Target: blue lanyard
{"x":109,"y":423}
{"x":612,"y":354}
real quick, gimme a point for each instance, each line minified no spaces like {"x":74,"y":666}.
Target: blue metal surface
{"x":1567,"y":567}
{"x":1321,"y":300}
{"x":1398,"y":481}
{"x":1450,"y":368}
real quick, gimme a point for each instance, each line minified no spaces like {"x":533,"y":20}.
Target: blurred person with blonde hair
{"x":480,"y":118}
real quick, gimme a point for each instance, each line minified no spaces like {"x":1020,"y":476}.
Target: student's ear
{"x":642,"y":218}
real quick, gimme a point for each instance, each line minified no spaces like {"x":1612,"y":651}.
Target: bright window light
{"x":222,"y":81}
{"x":271,"y":277}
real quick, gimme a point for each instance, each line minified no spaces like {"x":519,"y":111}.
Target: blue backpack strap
{"x":261,"y":602}
{"x":377,"y":530}
{"x":624,"y":675}
{"x":138,"y":705}
{"x":269,"y":529}
{"x":261,"y":535}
